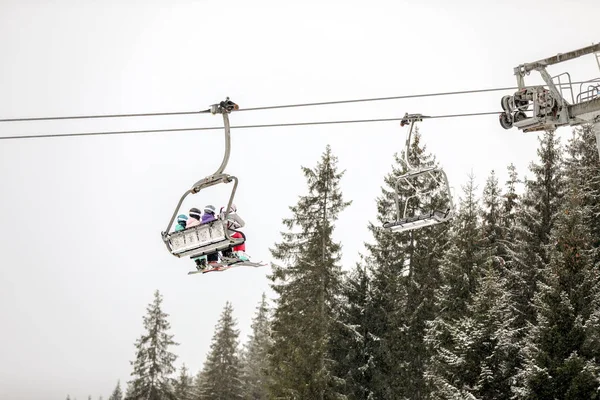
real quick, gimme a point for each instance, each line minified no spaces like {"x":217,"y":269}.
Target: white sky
{"x":80,"y":249}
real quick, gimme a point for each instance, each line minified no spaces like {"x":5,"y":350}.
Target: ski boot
{"x":200,"y":263}
{"x":241,"y":255}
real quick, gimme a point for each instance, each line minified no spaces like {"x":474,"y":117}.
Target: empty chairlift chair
{"x":420,"y":184}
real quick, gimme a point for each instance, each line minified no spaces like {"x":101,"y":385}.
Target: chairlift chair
{"x":434,"y":181}
{"x":212,"y":237}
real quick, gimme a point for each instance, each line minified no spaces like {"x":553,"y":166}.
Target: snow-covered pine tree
{"x":222,"y":373}
{"x":473,"y":337}
{"x":560,"y":359}
{"x":117,"y":394}
{"x":354,"y":342}
{"x":199,"y":380}
{"x":459,"y":278}
{"x":184,"y":385}
{"x":404,"y":274}
{"x":491,"y":215}
{"x":583,"y":165}
{"x":481,"y":355}
{"x":510,"y":204}
{"x":535,"y":219}
{"x":307,"y":285}
{"x":493,"y":351}
{"x":153,"y":365}
{"x":255,"y":359}
{"x":508,"y":250}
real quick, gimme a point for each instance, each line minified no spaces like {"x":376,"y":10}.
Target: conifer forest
{"x":501,"y":302}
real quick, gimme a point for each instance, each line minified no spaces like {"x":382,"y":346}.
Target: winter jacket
{"x":206,"y":218}
{"x":179,"y":227}
{"x":192,"y":222}
{"x":234,"y":221}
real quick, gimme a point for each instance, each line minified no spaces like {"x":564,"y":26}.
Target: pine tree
{"x":184,"y":388}
{"x":459,"y":278}
{"x":583,"y":166}
{"x":352,"y":336}
{"x":255,"y":360}
{"x":561,"y":360}
{"x":154,"y":362}
{"x":307,"y":286}
{"x":221,"y":376}
{"x":509,"y":257}
{"x":493,"y":353}
{"x":128,"y":391}
{"x":535,"y":220}
{"x":404,"y":269}
{"x":510,"y":203}
{"x":492,"y":213}
{"x":481,"y":348}
{"x":199,"y":382}
{"x":117,"y":394}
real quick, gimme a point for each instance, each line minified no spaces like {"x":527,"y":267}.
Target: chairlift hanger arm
{"x":410,"y":119}
{"x":224,"y":108}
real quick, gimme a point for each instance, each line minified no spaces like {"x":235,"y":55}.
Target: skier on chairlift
{"x":210,"y":239}
{"x":209,"y":214}
{"x":194,"y":218}
{"x":181,"y":222}
{"x":208,"y":217}
{"x":234,"y":222}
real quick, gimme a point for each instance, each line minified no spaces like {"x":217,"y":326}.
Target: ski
{"x":215,"y":267}
{"x":228,"y":263}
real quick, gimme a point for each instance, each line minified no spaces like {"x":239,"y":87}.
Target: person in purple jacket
{"x":209,"y":214}
{"x":207,"y":217}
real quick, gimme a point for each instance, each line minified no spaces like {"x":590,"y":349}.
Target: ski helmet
{"x":182,"y":218}
{"x":210,"y":209}
{"x":195,"y":213}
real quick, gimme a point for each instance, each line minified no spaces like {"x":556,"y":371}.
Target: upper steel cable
{"x":242,"y":126}
{"x":323,"y":103}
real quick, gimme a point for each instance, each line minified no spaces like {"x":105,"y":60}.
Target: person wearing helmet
{"x":234,"y":222}
{"x":194,"y":218}
{"x":181,"y":222}
{"x":208,"y":217}
{"x":209,"y":214}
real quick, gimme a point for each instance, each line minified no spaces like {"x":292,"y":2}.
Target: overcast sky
{"x":80,"y":249}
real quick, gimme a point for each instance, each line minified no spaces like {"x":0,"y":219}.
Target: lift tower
{"x":558,"y":103}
